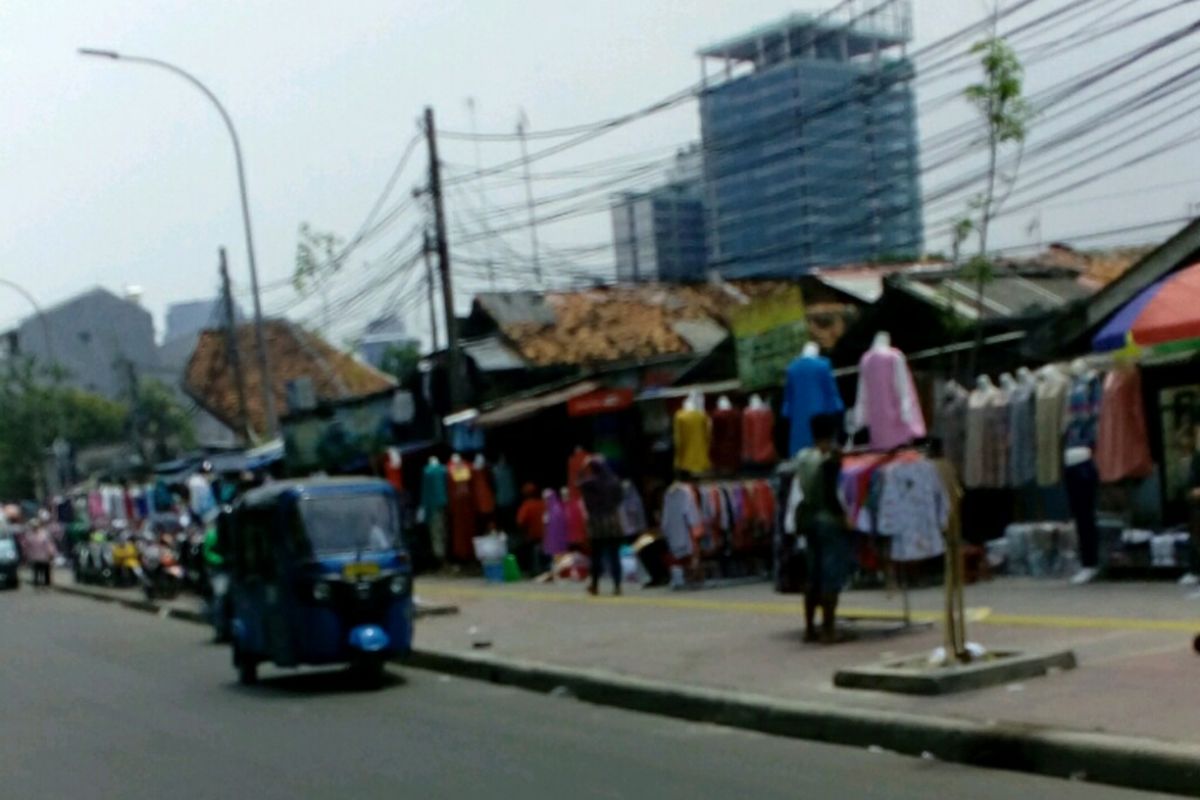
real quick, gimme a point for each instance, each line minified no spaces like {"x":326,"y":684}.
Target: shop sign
{"x":601,"y":401}
{"x":768,"y":334}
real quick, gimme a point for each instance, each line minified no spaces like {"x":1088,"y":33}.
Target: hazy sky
{"x":120,"y":174}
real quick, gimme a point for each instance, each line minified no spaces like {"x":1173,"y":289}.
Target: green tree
{"x":401,"y":362}
{"x":319,"y":256}
{"x":161,"y":421}
{"x":1000,"y":101}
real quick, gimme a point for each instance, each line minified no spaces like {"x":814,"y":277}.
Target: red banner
{"x":601,"y":401}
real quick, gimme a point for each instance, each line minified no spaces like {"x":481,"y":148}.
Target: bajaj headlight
{"x":399,"y":584}
{"x":321,"y":591}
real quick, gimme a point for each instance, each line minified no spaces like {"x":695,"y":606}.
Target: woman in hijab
{"x":602,"y":495}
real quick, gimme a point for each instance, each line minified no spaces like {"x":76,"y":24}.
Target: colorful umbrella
{"x":1164,"y":312}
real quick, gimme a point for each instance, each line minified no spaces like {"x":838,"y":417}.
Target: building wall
{"x":194,"y":316}
{"x":93,"y":336}
{"x":659,"y":235}
{"x":809,"y":162}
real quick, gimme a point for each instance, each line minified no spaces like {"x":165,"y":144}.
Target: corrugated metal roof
{"x":1012,"y":292}
{"x":491,"y":354}
{"x":511,"y":308}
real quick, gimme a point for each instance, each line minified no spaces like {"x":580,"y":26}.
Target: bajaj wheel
{"x":1196,"y":643}
{"x":247,"y":667}
{"x":368,"y":672}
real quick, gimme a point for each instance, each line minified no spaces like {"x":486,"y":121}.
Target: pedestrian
{"x":218,"y":579}
{"x":40,"y":552}
{"x":602,"y":495}
{"x":531,"y":524}
{"x":821,"y":520}
{"x":1192,"y":576}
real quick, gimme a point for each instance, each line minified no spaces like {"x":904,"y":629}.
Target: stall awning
{"x":1163,"y":313}
{"x":516,"y":410}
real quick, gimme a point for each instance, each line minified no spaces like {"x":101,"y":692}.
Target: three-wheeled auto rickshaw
{"x":320,"y":574}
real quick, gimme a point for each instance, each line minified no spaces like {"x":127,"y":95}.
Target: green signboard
{"x":768,"y":333}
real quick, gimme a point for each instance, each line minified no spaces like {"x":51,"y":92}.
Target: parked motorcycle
{"x":161,"y":575}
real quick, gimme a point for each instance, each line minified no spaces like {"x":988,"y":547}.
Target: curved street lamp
{"x":259,"y":336}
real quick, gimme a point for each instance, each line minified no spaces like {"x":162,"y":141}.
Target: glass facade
{"x":660,"y":235}
{"x":811,"y":161}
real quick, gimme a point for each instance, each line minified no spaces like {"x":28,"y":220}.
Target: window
{"x":348,"y":523}
{"x":252,"y":554}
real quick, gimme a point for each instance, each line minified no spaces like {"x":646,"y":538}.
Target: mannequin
{"x":692,"y":431}
{"x":575,"y":464}
{"x":1080,"y":476}
{"x":393,"y":471}
{"x":758,"y":433}
{"x":462,"y":509}
{"x":984,"y":384}
{"x":483,"y":494}
{"x":1008,"y":382}
{"x":1025,"y":376}
{"x":950,"y":424}
{"x":978,"y":467}
{"x":886,"y":402}
{"x":809,"y":390}
{"x":726,"y":447}
{"x":1022,"y":427}
{"x":1050,"y":420}
{"x":434,"y":499}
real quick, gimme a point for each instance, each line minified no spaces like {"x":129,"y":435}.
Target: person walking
{"x":602,"y":495}
{"x":531,"y":524}
{"x":40,"y":552}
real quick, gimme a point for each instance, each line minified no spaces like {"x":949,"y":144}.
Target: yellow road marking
{"x":982,"y":615}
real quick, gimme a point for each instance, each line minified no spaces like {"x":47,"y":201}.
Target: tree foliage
{"x":401,"y":362}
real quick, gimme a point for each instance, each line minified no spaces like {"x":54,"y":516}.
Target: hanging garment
{"x":726,"y":448}
{"x":762,"y":500}
{"x":393,"y":473}
{"x":680,"y":519}
{"x":887,"y":401}
{"x":556,"y":539}
{"x":693,"y":432}
{"x":506,"y":485}
{"x":462,"y":511}
{"x":1022,"y":436}
{"x":465,"y":437}
{"x":995,"y":442}
{"x":978,"y":405}
{"x":481,"y":491}
{"x":437,"y":533}
{"x":575,"y":465}
{"x":758,"y":436}
{"x":434,"y":495}
{"x":809,"y":389}
{"x":632,"y":512}
{"x":1051,"y":417}
{"x":913,"y":510}
{"x":1122,"y":445}
{"x":576,"y":517}
{"x":1083,"y":411}
{"x":950,"y":423}
{"x":531,"y":519}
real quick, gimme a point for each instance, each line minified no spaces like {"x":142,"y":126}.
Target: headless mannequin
{"x":723,"y":403}
{"x":756,"y":402}
{"x":693,"y":402}
{"x":1008,"y":382}
{"x":984,"y":384}
{"x":1025,"y":376}
{"x":882,"y":341}
{"x":433,"y":461}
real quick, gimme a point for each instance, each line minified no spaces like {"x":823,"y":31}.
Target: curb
{"x":1126,"y":761}
{"x":1130,"y":762}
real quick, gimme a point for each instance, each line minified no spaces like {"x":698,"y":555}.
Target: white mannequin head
{"x":723,"y":403}
{"x":811,"y":350}
{"x":564,"y":493}
{"x":984,"y":383}
{"x":1025,"y":375}
{"x":1008,"y":381}
{"x":1079,"y":368}
{"x":480,"y":461}
{"x":394,"y":456}
{"x":756,"y":401}
{"x":455,"y":459}
{"x":694,"y":401}
{"x":433,"y":461}
{"x":882,"y":341}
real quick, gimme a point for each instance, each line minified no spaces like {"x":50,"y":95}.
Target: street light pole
{"x":259,"y":335}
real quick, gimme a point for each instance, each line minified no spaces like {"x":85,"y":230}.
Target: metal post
{"x":454,"y":357}
{"x":231,"y":347}
{"x":426,"y":247}
{"x":259,"y":335}
{"x":533,"y":236}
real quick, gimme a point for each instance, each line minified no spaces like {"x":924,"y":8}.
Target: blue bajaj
{"x":319,"y":575}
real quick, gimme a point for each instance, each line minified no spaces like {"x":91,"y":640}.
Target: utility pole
{"x":426,"y":249}
{"x":533,"y":237}
{"x":454,"y":357}
{"x":231,"y":349}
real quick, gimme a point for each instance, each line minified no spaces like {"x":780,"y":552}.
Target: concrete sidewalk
{"x":1137,"y":672}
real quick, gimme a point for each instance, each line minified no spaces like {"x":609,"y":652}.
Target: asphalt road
{"x":101,"y":702}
